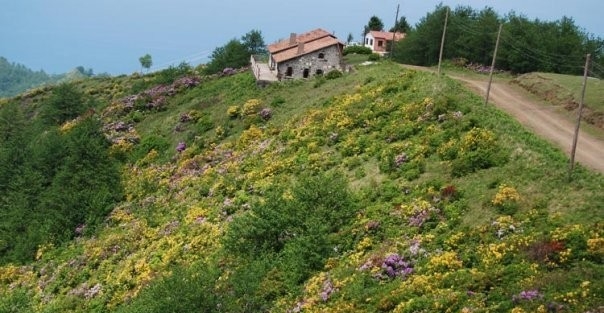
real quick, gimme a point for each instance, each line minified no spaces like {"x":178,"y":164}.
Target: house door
{"x":289,"y":72}
{"x":305,"y":73}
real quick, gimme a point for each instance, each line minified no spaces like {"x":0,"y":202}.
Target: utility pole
{"x":394,"y":33}
{"x":442,"y":42}
{"x":486,"y":101}
{"x":576,"y":137}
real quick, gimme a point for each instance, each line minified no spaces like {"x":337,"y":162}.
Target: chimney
{"x":292,"y":39}
{"x":300,"y":47}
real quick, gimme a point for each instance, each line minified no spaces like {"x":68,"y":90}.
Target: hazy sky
{"x":110,"y":35}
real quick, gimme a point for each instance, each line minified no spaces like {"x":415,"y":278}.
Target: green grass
{"x":564,"y":92}
{"x":180,"y":207}
{"x":574,"y":84}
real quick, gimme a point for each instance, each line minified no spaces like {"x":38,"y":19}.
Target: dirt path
{"x":544,"y":121}
{"x":541,"y":119}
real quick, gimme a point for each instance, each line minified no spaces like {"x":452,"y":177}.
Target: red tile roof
{"x":306,"y":37}
{"x":309,"y":47}
{"x":387,"y":35}
{"x":313,"y":40}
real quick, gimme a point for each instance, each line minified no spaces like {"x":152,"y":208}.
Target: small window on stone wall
{"x":290,"y":71}
{"x":305,"y":73}
{"x":319,"y":72}
{"x":321,"y":55}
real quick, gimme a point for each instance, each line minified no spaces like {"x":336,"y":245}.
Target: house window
{"x":319,"y":72}
{"x":371,"y":42}
{"x":366,"y":41}
{"x":321,"y":55}
{"x":290,"y":71}
{"x":380,"y":43}
{"x":305,"y":73}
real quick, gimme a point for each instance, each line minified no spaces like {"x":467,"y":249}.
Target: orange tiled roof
{"x":387,"y":35}
{"x":306,"y":37}
{"x":309,"y":47}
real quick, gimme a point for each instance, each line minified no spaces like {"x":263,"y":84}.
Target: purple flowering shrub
{"x":327,"y":289}
{"x":400,"y":159}
{"x":181,"y":147}
{"x":390,"y":267}
{"x":266,"y":114}
{"x":155,"y":98}
{"x":527,"y":295}
{"x":395,"y":266}
{"x":420,"y":216}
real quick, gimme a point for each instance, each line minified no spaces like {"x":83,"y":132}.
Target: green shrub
{"x":477,"y":149}
{"x":169,"y":75}
{"x":333,"y":75}
{"x":186,"y":290}
{"x":296,"y":227}
{"x":319,"y":81}
{"x":148,"y":143}
{"x":17,"y":302}
{"x":277,"y":101}
{"x":374,"y":57}
{"x":357,"y":50}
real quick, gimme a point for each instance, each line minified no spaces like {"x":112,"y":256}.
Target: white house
{"x":378,"y":41}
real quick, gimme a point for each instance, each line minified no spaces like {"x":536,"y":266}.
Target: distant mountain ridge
{"x":16,"y":78}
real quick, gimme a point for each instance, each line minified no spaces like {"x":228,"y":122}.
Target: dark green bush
{"x":148,"y":143}
{"x":374,"y":57}
{"x":186,"y":290}
{"x":295,"y":230}
{"x":170,"y":74}
{"x":65,"y":103}
{"x":357,"y":50}
{"x":333,"y":75}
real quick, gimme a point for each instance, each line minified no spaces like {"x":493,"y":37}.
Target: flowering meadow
{"x":384,"y":190}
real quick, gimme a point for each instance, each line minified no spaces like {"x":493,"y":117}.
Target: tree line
{"x":526,"y":45}
{"x":234,"y":54}
{"x":16,"y":78}
{"x":55,"y":182}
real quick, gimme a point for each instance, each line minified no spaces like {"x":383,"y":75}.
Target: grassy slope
{"x":474,"y":255}
{"x":565,"y":91}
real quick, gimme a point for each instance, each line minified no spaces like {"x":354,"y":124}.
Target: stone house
{"x":379,"y":41}
{"x":316,"y":52}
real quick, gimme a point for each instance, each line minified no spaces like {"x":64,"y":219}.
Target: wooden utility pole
{"x":486,"y":101}
{"x":576,"y":137}
{"x":394,"y":33}
{"x":442,"y":42}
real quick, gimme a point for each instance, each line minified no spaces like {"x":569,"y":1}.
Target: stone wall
{"x":312,"y":63}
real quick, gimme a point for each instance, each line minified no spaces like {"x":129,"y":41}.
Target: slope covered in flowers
{"x":385,"y":190}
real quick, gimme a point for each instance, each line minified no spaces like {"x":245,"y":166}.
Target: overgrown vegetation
{"x":236,"y":53}
{"x":57,"y":176}
{"x":385,"y":190}
{"x":356,"y":50}
{"x":526,"y":45}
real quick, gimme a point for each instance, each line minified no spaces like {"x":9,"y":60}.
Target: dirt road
{"x":543,"y":120}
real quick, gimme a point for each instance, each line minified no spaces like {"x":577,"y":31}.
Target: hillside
{"x":384,"y":190}
{"x":16,"y":78}
{"x":565,"y":91}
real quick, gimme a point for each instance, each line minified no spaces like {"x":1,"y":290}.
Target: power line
{"x":187,"y":59}
{"x":541,"y":56}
